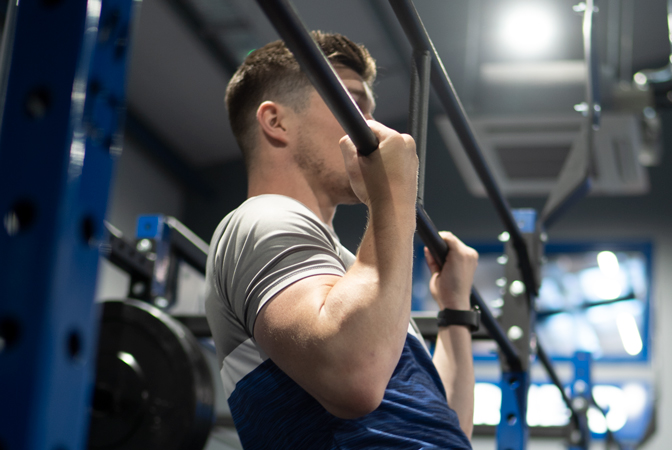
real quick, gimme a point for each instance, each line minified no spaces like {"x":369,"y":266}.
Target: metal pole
{"x":592,"y":69}
{"x":552,"y":374}
{"x":322,"y":75}
{"x":419,"y":112}
{"x":439,"y":249}
{"x":415,"y":32}
{"x":59,"y":138}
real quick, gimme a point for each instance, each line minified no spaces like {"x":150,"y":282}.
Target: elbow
{"x":356,"y":399}
{"x":468,"y":428}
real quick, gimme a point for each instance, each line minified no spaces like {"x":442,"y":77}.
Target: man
{"x":315,"y":344}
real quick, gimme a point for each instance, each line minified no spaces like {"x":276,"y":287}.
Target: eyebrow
{"x":360,"y":95}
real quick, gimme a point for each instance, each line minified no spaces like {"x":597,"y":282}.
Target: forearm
{"x":340,"y":338}
{"x":454,"y":362}
{"x":371,"y":303}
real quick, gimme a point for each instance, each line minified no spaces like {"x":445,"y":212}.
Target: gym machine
{"x":153,"y":386}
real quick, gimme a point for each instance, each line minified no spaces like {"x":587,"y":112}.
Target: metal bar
{"x":392,"y":37}
{"x":63,"y":106}
{"x":613,"y":34}
{"x":184,"y":242}
{"x":321,"y":74}
{"x":626,"y":44}
{"x":582,"y":387}
{"x":546,"y":362}
{"x":419,"y":112}
{"x":125,"y":255}
{"x":472,"y":54}
{"x":439,"y":250}
{"x":573,"y":182}
{"x":496,"y":332}
{"x":6,"y":45}
{"x":172,"y":244}
{"x":417,"y":35}
{"x":592,"y":68}
{"x":512,"y":431}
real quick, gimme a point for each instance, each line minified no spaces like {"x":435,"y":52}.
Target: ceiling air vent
{"x":526,"y":154}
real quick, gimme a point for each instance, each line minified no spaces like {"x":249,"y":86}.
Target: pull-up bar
{"x":320,"y":72}
{"x":417,"y":35}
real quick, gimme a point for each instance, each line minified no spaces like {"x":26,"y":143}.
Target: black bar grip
{"x":321,"y":74}
{"x":430,"y":236}
{"x":439,"y":250}
{"x":418,"y":116}
{"x":550,"y":370}
{"x":496,"y":332}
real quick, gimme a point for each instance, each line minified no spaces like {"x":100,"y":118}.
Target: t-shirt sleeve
{"x":268,"y":245}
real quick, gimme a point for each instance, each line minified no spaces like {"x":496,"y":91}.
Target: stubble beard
{"x":336,"y":184}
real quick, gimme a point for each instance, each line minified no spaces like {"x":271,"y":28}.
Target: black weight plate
{"x":153,"y":386}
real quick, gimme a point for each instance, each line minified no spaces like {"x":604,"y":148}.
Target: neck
{"x":294,"y":184}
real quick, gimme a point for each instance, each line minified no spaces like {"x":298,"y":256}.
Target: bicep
{"x":289,"y":328}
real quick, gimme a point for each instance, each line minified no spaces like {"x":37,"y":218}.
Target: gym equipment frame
{"x":64,"y":93}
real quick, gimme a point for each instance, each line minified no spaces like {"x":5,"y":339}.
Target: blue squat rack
{"x":63,"y":81}
{"x":59,"y":136}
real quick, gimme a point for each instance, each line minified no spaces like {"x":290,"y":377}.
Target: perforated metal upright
{"x":582,"y":388}
{"x":517,"y":319}
{"x":64,"y":94}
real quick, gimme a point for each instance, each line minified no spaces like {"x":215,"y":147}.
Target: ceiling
{"x":184,"y":52}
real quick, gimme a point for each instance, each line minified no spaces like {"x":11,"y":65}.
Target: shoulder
{"x":272,"y":216}
{"x":272,"y":207}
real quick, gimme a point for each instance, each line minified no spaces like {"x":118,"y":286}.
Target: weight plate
{"x":153,"y":386}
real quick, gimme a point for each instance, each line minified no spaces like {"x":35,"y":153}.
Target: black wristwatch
{"x":470,"y":319}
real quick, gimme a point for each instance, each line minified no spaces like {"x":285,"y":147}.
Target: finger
{"x":433,"y":266}
{"x":408,"y":139}
{"x":349,"y":151}
{"x":381,"y":131}
{"x":385,"y":134}
{"x":453,"y":242}
{"x":347,"y":144}
{"x":457,"y":246}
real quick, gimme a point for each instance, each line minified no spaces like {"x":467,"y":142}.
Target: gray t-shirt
{"x":268,"y":243}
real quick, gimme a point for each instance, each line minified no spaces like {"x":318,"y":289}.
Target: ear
{"x":272,"y":118}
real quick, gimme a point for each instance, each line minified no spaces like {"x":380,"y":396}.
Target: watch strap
{"x":470,"y":318}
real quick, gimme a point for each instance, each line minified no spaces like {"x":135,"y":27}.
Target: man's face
{"x":318,"y":152}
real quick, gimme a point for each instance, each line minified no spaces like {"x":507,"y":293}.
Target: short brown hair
{"x":272,"y":73}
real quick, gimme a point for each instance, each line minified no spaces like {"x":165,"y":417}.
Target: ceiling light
{"x":608,"y":263}
{"x":627,"y":329}
{"x":528,"y":30}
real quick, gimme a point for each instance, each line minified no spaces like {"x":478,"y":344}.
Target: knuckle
{"x":396,"y":139}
